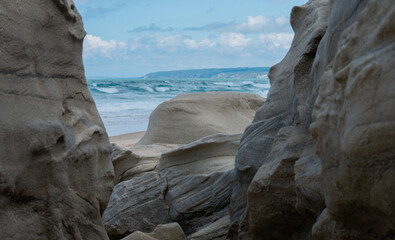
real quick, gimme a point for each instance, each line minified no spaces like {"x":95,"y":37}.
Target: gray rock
{"x":55,"y":170}
{"x":137,"y":204}
{"x":190,"y":185}
{"x":277,"y":172}
{"x":189,"y":117}
{"x":199,"y":176}
{"x":354,"y":122}
{"x":337,"y":80}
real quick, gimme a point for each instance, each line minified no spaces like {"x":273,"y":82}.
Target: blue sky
{"x":130,"y":38}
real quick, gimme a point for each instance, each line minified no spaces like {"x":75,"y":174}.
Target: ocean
{"x":126,"y":104}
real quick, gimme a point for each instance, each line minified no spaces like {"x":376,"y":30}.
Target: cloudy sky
{"x":130,"y":38}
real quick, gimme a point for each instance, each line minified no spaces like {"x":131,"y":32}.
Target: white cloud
{"x":282,"y":20}
{"x":276,"y":40}
{"x":95,"y":45}
{"x":253,"y":24}
{"x":192,"y":44}
{"x":181,"y":41}
{"x":233,"y":40}
{"x":169,"y":43}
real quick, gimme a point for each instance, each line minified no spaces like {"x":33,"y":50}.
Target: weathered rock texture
{"x":284,"y":196}
{"x":288,"y":185}
{"x":190,"y":185}
{"x":189,"y":117}
{"x":170,"y":231}
{"x":354,"y":122}
{"x":132,"y":162}
{"x":55,"y":170}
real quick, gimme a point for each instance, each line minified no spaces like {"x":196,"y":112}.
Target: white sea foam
{"x":148,"y":89}
{"x":261,"y":85}
{"x":230,"y":84}
{"x":110,"y":90}
{"x":123,"y":107}
{"x":247,"y":82}
{"x":162,"y":89}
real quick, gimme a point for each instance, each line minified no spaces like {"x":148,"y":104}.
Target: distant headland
{"x":214,"y":73}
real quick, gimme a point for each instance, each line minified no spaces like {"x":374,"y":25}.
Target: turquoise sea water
{"x":125,"y":104}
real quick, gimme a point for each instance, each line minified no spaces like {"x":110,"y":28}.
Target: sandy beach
{"x":127,"y":140}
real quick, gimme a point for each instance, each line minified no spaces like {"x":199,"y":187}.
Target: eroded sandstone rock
{"x":191,"y":185}
{"x":338,"y":82}
{"x":277,"y":172}
{"x":137,"y":204}
{"x":132,"y":162}
{"x":354,"y":123}
{"x":189,"y":117}
{"x":55,"y":170}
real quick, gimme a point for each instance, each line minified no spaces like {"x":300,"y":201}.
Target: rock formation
{"x":277,"y":148}
{"x":189,"y":182}
{"x":132,"y":162}
{"x":189,"y":117}
{"x":354,"y":122}
{"x":55,"y":169}
{"x":317,"y":162}
{"x":337,"y":81}
{"x":190,"y":185}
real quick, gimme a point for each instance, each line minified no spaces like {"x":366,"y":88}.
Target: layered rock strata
{"x":335,"y":84}
{"x":277,"y":171}
{"x":133,"y":162}
{"x":159,"y":181}
{"x":190,"y":185}
{"x":354,"y":122}
{"x":55,"y":169}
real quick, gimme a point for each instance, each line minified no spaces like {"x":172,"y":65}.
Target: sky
{"x":131,"y":38}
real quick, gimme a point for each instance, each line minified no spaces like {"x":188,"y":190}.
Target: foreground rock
{"x":339,"y":70}
{"x":171,"y":231}
{"x":354,"y":123}
{"x":276,"y":161}
{"x":55,"y":170}
{"x":189,"y":117}
{"x":190,"y":185}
